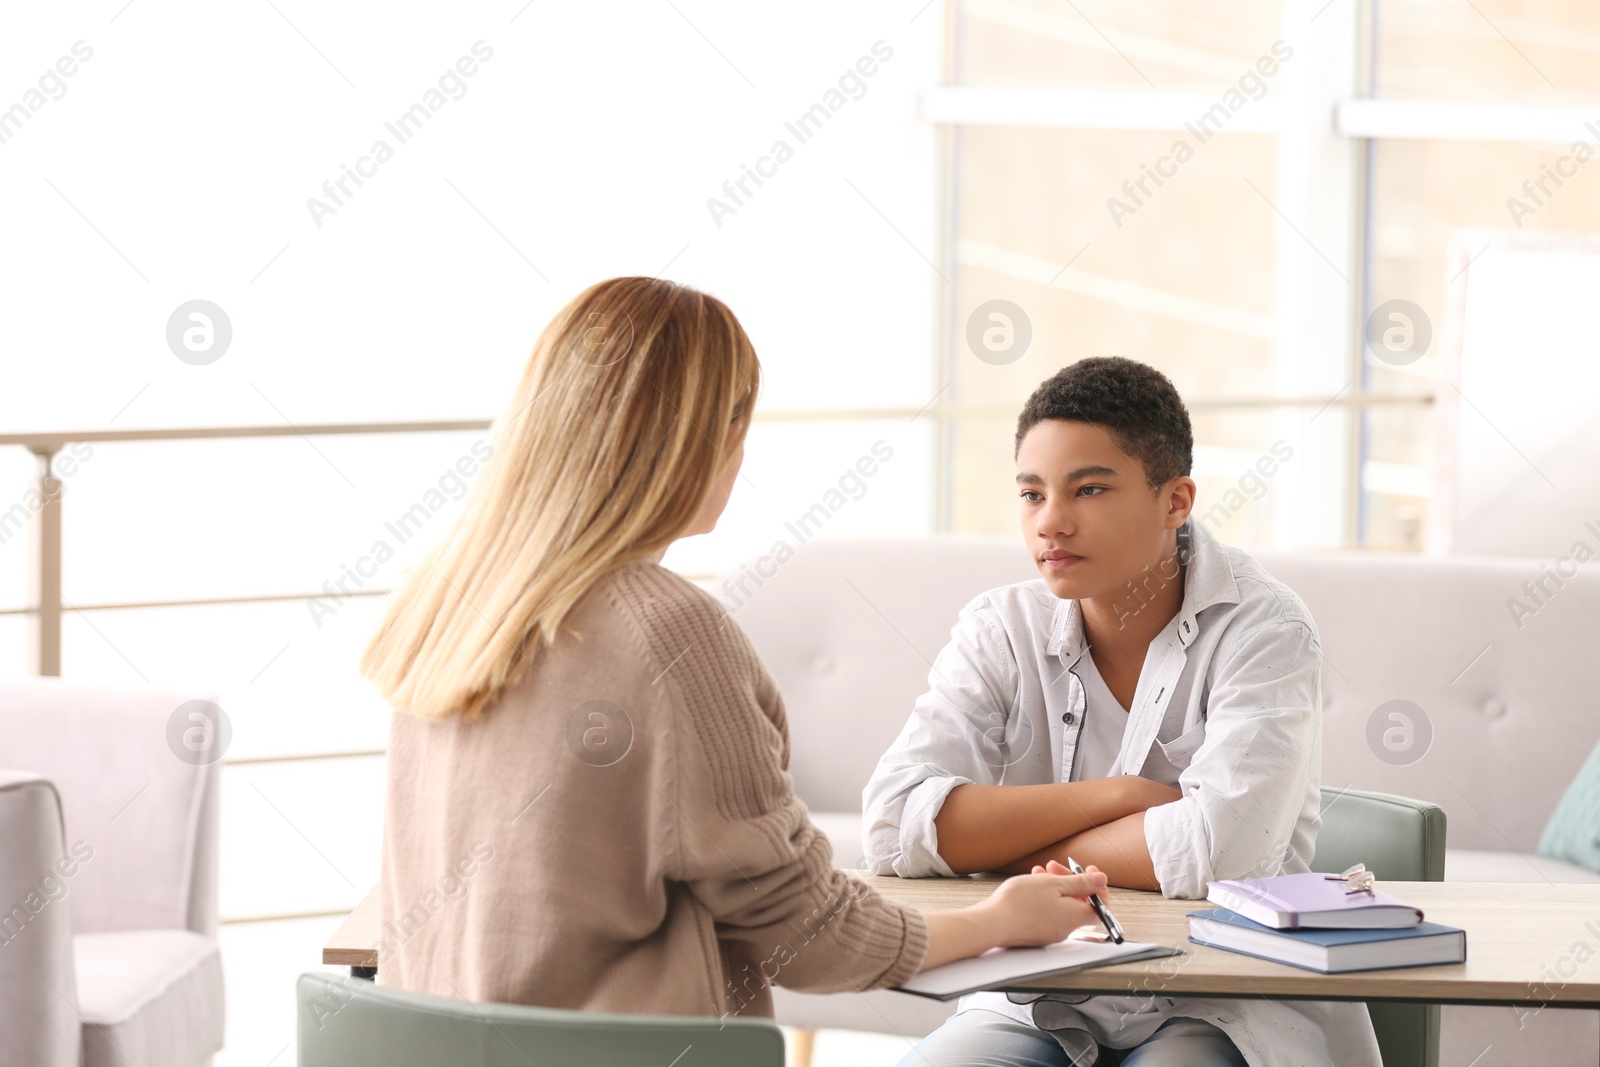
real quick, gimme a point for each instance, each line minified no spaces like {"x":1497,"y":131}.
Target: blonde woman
{"x":588,"y":803}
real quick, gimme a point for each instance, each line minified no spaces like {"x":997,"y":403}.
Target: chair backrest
{"x":342,"y":1021}
{"x":1399,"y":839}
{"x":148,"y":817}
{"x":38,"y":988}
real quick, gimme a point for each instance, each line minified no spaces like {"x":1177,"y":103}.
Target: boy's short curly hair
{"x":1136,"y":403}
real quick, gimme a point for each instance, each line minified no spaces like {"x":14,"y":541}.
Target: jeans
{"x":979,"y":1038}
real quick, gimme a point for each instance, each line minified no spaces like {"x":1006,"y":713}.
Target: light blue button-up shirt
{"x":1228,"y":710}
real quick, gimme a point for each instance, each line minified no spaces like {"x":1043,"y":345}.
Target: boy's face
{"x":1089,"y":518}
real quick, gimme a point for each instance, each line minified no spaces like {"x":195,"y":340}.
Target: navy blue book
{"x":1330,"y":951}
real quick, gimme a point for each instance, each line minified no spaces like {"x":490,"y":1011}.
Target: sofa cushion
{"x":149,"y":998}
{"x":1475,"y":865}
{"x":1573,"y":832}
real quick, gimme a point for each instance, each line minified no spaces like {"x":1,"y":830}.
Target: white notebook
{"x":1000,"y":968}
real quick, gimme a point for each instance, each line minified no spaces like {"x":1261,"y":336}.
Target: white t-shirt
{"x":1104,"y":722}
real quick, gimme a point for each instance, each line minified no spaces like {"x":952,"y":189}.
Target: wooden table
{"x":353,"y":944}
{"x":1524,"y":944}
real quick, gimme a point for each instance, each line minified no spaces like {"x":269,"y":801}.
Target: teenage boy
{"x":1151,"y":705}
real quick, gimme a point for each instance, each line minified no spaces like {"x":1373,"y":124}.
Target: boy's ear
{"x":1180,"y":493}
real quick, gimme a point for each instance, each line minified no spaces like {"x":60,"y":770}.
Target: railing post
{"x":47,"y":636}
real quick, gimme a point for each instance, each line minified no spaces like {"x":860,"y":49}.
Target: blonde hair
{"x":634,"y":396}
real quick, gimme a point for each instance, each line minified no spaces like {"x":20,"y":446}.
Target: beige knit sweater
{"x":619,"y":831}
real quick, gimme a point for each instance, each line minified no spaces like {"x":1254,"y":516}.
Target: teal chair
{"x":1400,"y":840}
{"x":350,"y":1022}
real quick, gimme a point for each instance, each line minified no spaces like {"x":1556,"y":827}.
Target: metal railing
{"x":48,"y":601}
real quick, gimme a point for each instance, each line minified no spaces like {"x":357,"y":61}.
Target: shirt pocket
{"x":1168,"y":759}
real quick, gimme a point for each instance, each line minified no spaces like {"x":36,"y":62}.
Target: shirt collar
{"x":1209,"y":580}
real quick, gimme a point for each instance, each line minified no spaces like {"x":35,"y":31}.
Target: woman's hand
{"x":1045,"y":906}
{"x":1026,"y":910}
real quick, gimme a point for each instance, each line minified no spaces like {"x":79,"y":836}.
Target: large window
{"x":1295,"y":212}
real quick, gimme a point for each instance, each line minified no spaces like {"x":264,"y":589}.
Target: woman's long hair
{"x":633,"y":398}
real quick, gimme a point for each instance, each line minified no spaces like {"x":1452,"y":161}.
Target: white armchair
{"x":108,"y":882}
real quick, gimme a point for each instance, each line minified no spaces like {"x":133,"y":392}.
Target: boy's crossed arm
{"x":1118,"y":848}
{"x":1012,"y":827}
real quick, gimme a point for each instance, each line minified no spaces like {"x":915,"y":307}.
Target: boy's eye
{"x":1031,"y":496}
{"x":1098,"y":488}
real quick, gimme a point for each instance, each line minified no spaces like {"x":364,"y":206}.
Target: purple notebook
{"x":1293,"y":901}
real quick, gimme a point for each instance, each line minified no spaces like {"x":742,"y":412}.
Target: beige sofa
{"x":849,"y":629}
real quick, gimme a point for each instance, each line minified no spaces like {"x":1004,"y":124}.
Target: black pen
{"x":1112,"y":926}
